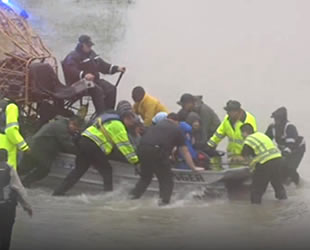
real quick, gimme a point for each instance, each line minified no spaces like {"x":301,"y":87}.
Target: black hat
{"x":232,"y":106}
{"x":186,"y":98}
{"x":86,"y":39}
{"x":280,"y":113}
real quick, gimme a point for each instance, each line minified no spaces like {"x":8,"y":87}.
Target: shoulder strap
{"x":107,"y":135}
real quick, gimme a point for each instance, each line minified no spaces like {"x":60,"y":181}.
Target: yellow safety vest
{"x":233,"y":133}
{"x":263,"y":147}
{"x":109,"y":134}
{"x":12,"y":140}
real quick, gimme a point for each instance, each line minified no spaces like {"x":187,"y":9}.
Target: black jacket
{"x":286,"y":136}
{"x":77,"y":64}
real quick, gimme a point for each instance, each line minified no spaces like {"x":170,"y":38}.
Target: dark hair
{"x":3,"y":155}
{"x":248,"y":128}
{"x":138,"y":93}
{"x":174,"y":117}
{"x":127,"y":114}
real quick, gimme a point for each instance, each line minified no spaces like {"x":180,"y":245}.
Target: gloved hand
{"x":211,"y":152}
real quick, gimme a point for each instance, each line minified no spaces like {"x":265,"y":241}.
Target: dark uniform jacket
{"x":77,"y":64}
{"x":286,"y":136}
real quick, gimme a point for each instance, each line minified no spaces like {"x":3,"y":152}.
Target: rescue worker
{"x":11,"y":193}
{"x":230,"y":127}
{"x":83,"y":62}
{"x":291,"y":144}
{"x":54,"y":137}
{"x":136,"y":131}
{"x":10,"y":136}
{"x":97,"y":142}
{"x":154,"y":151}
{"x":266,"y":161}
{"x":208,"y":118}
{"x":146,"y":106}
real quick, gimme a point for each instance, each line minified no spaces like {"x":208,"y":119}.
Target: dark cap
{"x":280,"y":113}
{"x":86,"y":39}
{"x":232,"y":106}
{"x":186,"y":98}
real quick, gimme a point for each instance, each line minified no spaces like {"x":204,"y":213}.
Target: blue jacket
{"x":187,"y":131}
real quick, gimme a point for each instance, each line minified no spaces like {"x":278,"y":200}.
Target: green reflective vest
{"x":233,"y":133}
{"x":110,"y":134}
{"x":263,"y":147}
{"x":11,"y":139}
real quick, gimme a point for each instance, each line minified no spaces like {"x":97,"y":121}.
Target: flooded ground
{"x":255,"y":51}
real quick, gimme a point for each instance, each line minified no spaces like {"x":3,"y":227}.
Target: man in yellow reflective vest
{"x":230,"y":127}
{"x":10,"y":136}
{"x":266,"y":162}
{"x":96,"y":145}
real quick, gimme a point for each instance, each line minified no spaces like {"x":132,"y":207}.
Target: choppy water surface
{"x":255,"y":51}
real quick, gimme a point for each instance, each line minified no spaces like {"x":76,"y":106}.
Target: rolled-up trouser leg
{"x":260,"y":180}
{"x":7,"y":219}
{"x":165,"y":178}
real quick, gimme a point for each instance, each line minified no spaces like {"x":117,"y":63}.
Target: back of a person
{"x":264,"y":148}
{"x":164,"y":134}
{"x":215,"y":120}
{"x":45,"y":144}
{"x":149,"y":107}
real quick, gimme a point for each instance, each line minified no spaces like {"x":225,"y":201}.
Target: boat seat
{"x":44,"y":82}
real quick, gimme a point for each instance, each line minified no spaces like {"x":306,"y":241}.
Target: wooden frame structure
{"x":20,"y":46}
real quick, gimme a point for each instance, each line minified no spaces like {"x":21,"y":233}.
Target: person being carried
{"x":291,"y":144}
{"x":12,"y":192}
{"x":146,"y":106}
{"x":208,"y":118}
{"x":230,"y":127}
{"x":83,"y":62}
{"x":54,"y":137}
{"x":96,"y":145}
{"x":154,"y":151}
{"x":266,"y":162}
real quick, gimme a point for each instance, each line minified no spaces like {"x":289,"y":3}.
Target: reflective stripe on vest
{"x":96,"y":139}
{"x":263,"y":147}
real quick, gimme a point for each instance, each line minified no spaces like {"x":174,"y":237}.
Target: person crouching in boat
{"x":154,"y":152}
{"x":54,"y":137}
{"x":230,"y":127}
{"x":96,"y":145}
{"x":146,"y":106}
{"x":208,"y":118}
{"x":266,"y":162}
